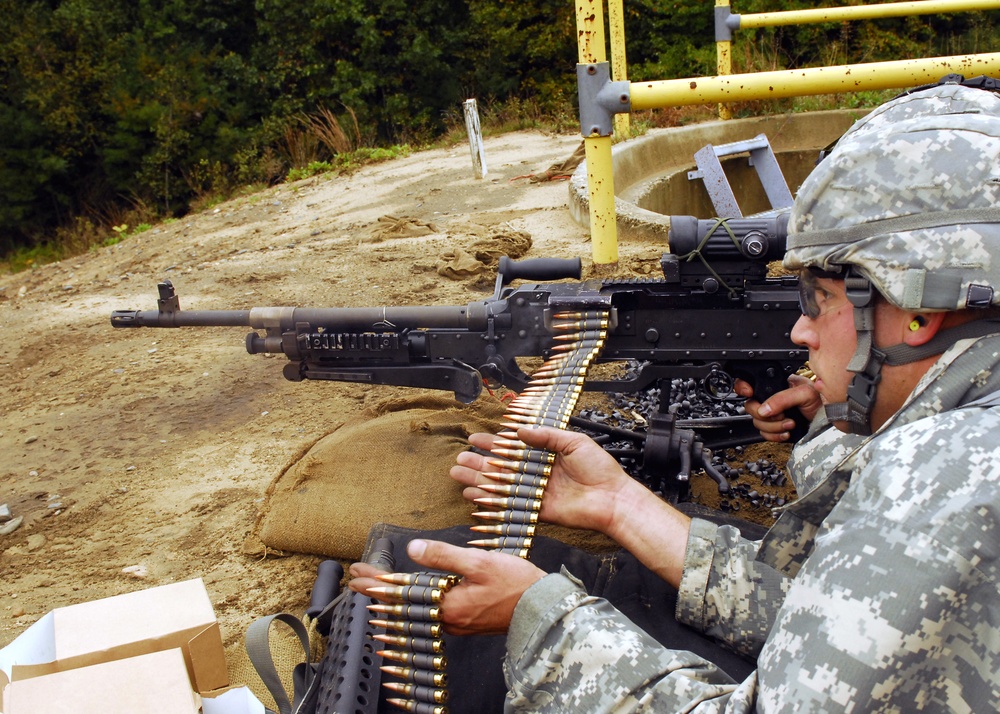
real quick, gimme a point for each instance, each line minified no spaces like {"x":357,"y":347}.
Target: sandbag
{"x":390,"y":465}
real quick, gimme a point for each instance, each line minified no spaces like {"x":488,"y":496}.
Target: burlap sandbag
{"x":390,"y":465}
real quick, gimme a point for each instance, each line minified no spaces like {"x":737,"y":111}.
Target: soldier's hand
{"x":484,"y":601}
{"x":583,"y":488}
{"x":769,"y":417}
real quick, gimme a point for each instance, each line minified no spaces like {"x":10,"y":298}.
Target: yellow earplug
{"x":916,"y":325}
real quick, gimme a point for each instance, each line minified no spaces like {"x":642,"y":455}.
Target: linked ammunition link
{"x":414,"y":639}
{"x":522,"y":472}
{"x":521,"y":475}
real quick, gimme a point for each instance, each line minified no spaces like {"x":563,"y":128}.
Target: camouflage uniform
{"x":878,"y":589}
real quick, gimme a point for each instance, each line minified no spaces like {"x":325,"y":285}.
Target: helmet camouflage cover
{"x":910,"y":197}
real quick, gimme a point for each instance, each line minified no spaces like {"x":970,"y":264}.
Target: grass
{"x":318,"y":144}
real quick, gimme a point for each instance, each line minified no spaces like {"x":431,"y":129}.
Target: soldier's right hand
{"x":584,"y":486}
{"x":769,"y":417}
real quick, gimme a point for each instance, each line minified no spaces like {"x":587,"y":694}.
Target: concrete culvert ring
{"x":650,"y":172}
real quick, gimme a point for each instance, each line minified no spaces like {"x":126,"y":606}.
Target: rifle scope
{"x":759,"y":239}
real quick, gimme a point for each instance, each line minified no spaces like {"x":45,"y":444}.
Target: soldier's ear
{"x":921,"y":328}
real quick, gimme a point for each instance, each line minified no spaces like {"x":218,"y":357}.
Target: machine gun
{"x":713,"y":317}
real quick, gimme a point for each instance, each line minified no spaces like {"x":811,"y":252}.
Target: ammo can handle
{"x":326,"y":587}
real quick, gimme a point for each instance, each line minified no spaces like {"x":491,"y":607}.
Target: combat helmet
{"x":907,"y":203}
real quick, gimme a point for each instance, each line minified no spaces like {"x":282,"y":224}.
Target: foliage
{"x":115,"y":112}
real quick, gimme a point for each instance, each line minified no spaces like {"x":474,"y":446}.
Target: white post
{"x":475,"y":138}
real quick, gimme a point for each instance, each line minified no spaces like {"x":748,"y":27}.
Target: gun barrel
{"x":343,"y":319}
{"x":364,"y":319}
{"x":180,"y":318}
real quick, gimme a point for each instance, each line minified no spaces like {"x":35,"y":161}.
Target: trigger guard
{"x":492,"y":375}
{"x":718,"y":384}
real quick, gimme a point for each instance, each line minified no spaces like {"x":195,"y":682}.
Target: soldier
{"x":878,"y":589}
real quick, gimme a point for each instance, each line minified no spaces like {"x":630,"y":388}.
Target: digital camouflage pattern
{"x":876,"y":591}
{"x":936,"y":233}
{"x":891,"y":562}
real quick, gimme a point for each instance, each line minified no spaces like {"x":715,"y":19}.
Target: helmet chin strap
{"x":868,"y":360}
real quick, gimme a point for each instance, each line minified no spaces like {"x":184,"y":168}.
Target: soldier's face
{"x":827,"y":330}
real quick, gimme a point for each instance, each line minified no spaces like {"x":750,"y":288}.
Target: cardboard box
{"x":178,"y":615}
{"x":156,"y":682}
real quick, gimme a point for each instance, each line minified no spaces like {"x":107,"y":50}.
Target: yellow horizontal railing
{"x":810,"y":81}
{"x":726,"y":87}
{"x":861,"y":12}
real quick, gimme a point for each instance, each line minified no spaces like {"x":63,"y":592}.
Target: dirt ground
{"x":140,"y":457}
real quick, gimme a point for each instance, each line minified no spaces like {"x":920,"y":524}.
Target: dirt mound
{"x":141,"y":457}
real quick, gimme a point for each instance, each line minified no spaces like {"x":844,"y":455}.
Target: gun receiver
{"x":714,"y":316}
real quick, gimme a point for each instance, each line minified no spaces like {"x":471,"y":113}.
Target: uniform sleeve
{"x":568,"y":651}
{"x":725,"y":592}
{"x":897,"y":607}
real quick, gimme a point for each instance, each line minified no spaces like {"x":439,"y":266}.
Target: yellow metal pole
{"x":619,"y":64}
{"x":864,"y":12}
{"x":600,"y":177}
{"x":724,"y":62}
{"x":803,"y":82}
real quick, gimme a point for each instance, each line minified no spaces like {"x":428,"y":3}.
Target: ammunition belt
{"x":412,"y":622}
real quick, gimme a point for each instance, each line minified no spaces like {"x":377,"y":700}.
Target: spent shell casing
{"x":409,"y":593}
{"x":407,"y":611}
{"x":409,"y":627}
{"x":428,"y":645}
{"x":415,"y":659}
{"x":425,"y":677}
{"x":418,"y":692}
{"x":522,"y":467}
{"x":433,"y":580}
{"x":520,"y":504}
{"x":415,"y":707}
{"x":508,"y":516}
{"x":507,"y":489}
{"x":506,"y":529}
